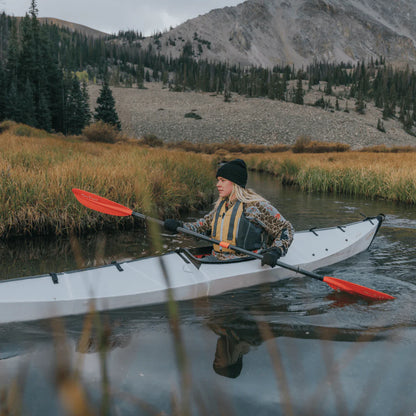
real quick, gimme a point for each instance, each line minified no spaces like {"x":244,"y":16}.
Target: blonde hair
{"x":245,"y":195}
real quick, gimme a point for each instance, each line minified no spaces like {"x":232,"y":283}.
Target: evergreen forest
{"x":45,"y":70}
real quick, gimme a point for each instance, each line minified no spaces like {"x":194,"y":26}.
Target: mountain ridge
{"x":279,"y":32}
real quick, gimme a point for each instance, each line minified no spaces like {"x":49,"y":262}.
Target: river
{"x":297,"y":347}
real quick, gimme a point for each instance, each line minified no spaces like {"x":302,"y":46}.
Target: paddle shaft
{"x":232,"y":247}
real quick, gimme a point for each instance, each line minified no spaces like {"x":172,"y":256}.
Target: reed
{"x":38,"y":173}
{"x":390,"y":176}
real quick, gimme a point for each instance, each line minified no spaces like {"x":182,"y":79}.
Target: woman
{"x":241,"y":218}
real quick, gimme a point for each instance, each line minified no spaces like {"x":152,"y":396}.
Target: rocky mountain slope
{"x":156,"y":110}
{"x":270,"y":32}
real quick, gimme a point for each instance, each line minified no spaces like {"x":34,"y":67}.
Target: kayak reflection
{"x":239,"y":335}
{"x":238,"y":331}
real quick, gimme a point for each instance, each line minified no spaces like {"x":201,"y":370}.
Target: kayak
{"x":186,"y":272}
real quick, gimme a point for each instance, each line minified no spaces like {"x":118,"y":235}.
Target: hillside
{"x":270,"y":32}
{"x":74,"y":27}
{"x":156,"y":110}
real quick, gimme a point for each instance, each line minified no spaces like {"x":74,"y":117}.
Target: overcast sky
{"x":110,"y":16}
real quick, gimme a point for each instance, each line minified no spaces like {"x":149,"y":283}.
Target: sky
{"x":110,"y":16}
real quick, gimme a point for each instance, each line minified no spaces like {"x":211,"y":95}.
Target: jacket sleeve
{"x":279,"y":230}
{"x":201,"y":226}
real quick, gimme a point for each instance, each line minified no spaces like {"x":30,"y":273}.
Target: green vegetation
{"x":106,"y":108}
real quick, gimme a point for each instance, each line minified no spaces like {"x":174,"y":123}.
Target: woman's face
{"x":225,"y":187}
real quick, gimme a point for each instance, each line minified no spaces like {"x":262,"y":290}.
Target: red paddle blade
{"x":100,"y":204}
{"x":344,"y":286}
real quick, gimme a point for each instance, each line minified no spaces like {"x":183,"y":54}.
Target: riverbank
{"x":389,"y":176}
{"x":38,"y":172}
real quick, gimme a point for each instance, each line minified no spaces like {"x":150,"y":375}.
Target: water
{"x":304,"y":349}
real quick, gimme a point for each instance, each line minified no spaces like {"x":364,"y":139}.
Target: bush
{"x":151,"y":140}
{"x":193,"y":115}
{"x":101,"y":132}
{"x":301,"y":143}
{"x":7,"y":125}
{"x":382,"y":148}
{"x":305,"y":145}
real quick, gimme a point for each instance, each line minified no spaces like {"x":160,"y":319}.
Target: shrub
{"x":301,"y":143}
{"x":305,"y":145}
{"x":151,"y":140}
{"x":101,"y":132}
{"x":193,"y":115}
{"x":7,"y":125}
{"x":382,"y":148}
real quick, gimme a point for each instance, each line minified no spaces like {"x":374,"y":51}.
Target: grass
{"x":390,"y":176}
{"x":38,"y":173}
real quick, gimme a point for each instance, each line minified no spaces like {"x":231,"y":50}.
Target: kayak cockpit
{"x":203,"y":255}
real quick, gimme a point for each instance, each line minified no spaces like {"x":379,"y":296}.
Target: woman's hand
{"x":172,"y":225}
{"x":270,"y":256}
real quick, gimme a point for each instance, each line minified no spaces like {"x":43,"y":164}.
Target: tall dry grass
{"x":390,"y":176}
{"x":38,"y":173}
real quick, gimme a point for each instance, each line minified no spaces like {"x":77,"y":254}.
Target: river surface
{"x":296,"y":346}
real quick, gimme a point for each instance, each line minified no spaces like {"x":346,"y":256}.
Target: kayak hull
{"x":178,"y":274}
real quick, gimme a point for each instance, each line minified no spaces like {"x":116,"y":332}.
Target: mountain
{"x":270,"y":32}
{"x":74,"y":27}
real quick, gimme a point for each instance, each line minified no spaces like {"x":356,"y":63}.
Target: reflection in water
{"x":237,"y":335}
{"x":227,"y":338}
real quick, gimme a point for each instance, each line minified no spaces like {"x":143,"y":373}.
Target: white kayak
{"x":146,"y":281}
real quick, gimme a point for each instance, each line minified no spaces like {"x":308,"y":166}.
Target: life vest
{"x":232,"y":227}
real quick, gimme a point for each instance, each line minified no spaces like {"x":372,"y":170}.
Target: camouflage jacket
{"x":279,"y":231}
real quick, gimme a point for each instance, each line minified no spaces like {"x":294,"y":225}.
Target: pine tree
{"x":12,"y":110}
{"x":360,"y":104}
{"x":43,"y":116}
{"x":380,"y":126}
{"x":76,"y":107}
{"x":106,"y":109}
{"x":328,"y":88}
{"x":27,"y":105}
{"x":12,"y":56}
{"x":337,"y":105}
{"x":227,"y":90}
{"x":298,"y":98}
{"x":3,"y":93}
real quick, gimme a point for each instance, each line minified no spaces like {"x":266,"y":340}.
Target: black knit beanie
{"x":235,"y":171}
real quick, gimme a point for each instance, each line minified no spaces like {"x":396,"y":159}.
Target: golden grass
{"x":38,"y":173}
{"x":390,"y":176}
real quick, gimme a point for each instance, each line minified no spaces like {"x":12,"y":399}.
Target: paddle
{"x":106,"y":206}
